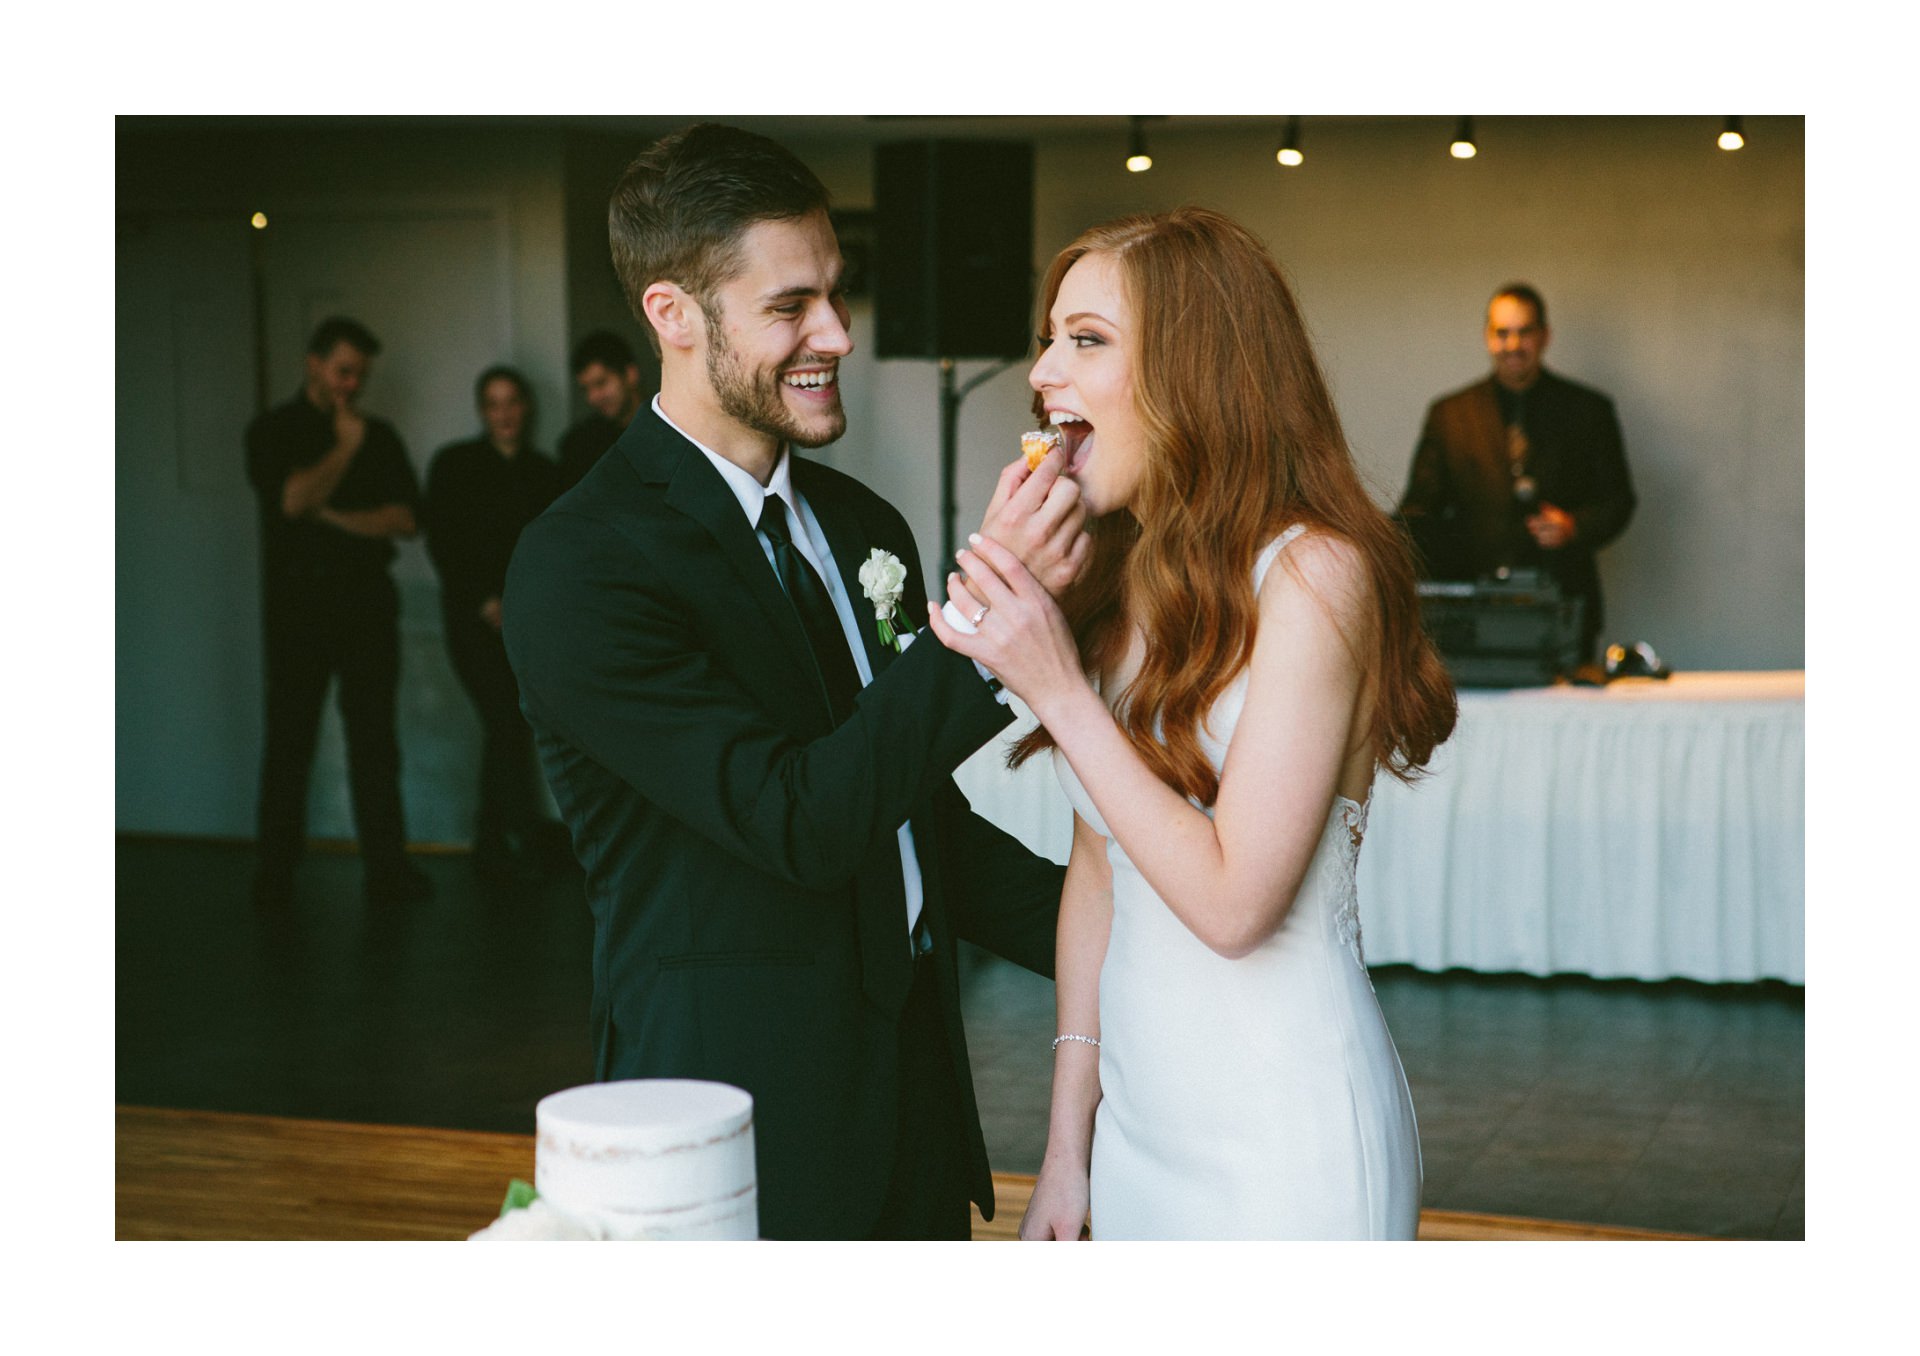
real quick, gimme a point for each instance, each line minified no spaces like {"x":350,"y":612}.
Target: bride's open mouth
{"x":1076,"y":436}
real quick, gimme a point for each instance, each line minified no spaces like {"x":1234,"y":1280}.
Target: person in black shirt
{"x":479,"y":495}
{"x":335,"y":490}
{"x":609,"y":377}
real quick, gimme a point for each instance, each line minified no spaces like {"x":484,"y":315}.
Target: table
{"x":221,"y":1175}
{"x":1646,"y":830}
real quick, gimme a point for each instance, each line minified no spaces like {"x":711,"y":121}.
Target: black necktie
{"x":839,"y":679}
{"x":885,"y":973}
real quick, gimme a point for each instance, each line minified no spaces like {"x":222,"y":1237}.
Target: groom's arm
{"x":1000,"y":895}
{"x":608,"y":661}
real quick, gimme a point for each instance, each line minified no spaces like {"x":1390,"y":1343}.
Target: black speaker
{"x":953,"y":240}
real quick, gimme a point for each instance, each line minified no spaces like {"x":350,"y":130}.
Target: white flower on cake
{"x":884,"y":579}
{"x":538,"y":1222}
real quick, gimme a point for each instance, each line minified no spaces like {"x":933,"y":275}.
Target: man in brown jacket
{"x":1521,"y":469}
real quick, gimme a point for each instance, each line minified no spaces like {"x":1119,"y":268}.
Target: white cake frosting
{"x":664,"y":1158}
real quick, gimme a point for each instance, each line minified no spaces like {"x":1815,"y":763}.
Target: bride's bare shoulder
{"x":1327,"y":570}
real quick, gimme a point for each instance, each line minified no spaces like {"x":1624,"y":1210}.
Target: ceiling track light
{"x":1289,"y":153}
{"x":1138,"y":161}
{"x":1463,"y":147}
{"x":1733,"y":136}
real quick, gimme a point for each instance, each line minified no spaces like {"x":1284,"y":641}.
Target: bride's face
{"x":1085,"y":381}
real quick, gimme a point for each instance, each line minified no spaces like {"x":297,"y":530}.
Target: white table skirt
{"x":1646,"y":830}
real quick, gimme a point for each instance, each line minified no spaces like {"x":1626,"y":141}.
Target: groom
{"x":759,"y":787}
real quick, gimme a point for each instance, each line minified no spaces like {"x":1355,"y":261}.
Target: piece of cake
{"x":666,"y":1158}
{"x":1037,"y":444}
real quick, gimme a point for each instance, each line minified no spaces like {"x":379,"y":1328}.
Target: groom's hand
{"x":1038,"y":515}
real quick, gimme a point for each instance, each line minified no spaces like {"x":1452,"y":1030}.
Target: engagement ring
{"x":976,"y":617}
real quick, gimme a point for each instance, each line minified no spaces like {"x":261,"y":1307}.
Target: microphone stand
{"x":950,"y":398}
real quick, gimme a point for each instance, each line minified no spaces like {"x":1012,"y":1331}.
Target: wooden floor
{"x":217,"y":1175}
{"x":1673,"y":1107}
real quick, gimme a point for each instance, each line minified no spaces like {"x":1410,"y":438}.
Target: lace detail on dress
{"x":1346,"y":908}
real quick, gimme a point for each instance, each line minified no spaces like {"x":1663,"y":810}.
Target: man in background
{"x":609,"y":377}
{"x":336,"y":490}
{"x":1522,"y":469}
{"x":480,"y":494}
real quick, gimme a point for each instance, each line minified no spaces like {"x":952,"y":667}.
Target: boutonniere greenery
{"x":884,"y":579}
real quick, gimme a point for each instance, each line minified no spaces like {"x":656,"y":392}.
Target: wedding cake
{"x":657,"y":1158}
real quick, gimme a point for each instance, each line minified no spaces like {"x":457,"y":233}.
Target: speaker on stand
{"x":953,"y":269}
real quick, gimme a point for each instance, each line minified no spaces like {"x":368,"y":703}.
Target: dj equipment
{"x":1636,"y":661}
{"x":1512,"y":629}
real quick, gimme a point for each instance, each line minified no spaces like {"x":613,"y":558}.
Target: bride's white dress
{"x":1251,"y":1098}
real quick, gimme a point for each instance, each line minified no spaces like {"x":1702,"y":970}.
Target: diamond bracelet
{"x":1084,"y":1040}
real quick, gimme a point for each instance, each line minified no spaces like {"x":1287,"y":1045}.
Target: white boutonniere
{"x":884,"y":579}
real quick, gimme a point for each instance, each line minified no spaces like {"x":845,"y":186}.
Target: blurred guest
{"x":336,"y":489}
{"x":609,"y":377}
{"x":1523,"y":469}
{"x":479,"y":495}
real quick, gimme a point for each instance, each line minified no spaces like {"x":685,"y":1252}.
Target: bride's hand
{"x":1020,"y":635}
{"x":1039,"y":516}
{"x":1057,"y":1211}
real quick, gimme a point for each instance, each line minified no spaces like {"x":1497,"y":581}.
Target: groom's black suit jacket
{"x":732,"y":838}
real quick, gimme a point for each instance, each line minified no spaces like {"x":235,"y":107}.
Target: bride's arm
{"x":1230,"y":879}
{"x":1059,"y":1204}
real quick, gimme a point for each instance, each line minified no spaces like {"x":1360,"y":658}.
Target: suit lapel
{"x":1489,"y":430}
{"x":695,"y":489}
{"x":1487,"y":435}
{"x":850,"y":540}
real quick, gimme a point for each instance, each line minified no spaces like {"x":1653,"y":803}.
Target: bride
{"x":1223,"y":1069}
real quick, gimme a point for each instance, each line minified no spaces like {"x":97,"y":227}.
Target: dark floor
{"x":1671,"y":1106}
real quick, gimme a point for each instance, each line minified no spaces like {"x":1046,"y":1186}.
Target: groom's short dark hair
{"x":680,"y":208}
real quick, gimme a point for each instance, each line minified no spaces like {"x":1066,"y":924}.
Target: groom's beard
{"x":754,"y":398}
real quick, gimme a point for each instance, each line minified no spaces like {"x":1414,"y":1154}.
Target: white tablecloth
{"x":1647,"y":830}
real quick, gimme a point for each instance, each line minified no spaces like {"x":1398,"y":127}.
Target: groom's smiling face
{"x":776,"y":331}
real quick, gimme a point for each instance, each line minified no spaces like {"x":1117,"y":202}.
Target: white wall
{"x":1674,"y":277}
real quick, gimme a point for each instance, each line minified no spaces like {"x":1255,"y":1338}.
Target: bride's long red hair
{"x":1242,"y":440}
